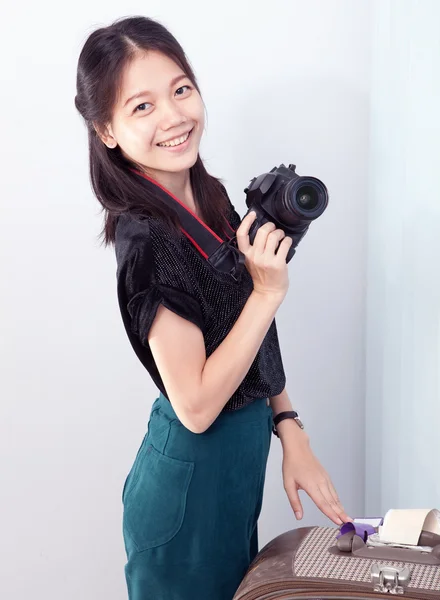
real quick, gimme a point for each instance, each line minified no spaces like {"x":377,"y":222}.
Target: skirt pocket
{"x":155,"y":502}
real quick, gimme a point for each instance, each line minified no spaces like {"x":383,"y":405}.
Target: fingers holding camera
{"x":264,"y":233}
{"x":266,"y":257}
{"x":273,"y":241}
{"x":242,"y":232}
{"x":267,"y":236}
{"x":283,"y":251}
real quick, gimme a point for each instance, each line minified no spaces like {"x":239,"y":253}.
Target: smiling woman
{"x":139,"y":98}
{"x":193,"y":496}
{"x":169,"y":110}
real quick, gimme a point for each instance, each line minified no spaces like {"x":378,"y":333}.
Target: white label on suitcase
{"x":403,"y":526}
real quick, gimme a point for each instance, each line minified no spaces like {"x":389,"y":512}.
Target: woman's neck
{"x":179,"y":184}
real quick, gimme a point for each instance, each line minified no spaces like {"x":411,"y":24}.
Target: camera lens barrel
{"x":301,"y":199}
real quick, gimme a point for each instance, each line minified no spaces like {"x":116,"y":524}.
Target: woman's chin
{"x":172,"y":164}
{"x":181,"y":163}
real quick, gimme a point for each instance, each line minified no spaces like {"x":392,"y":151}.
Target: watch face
{"x":298,"y":420}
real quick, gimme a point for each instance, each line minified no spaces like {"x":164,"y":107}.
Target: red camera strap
{"x":199,"y":234}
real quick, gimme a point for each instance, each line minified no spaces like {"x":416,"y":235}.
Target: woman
{"x":193,"y":496}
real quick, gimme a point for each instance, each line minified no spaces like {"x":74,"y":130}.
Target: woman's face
{"x":158,"y":119}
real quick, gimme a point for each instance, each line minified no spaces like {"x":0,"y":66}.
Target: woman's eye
{"x":140,"y":109}
{"x":145,"y":105}
{"x":183,"y":88}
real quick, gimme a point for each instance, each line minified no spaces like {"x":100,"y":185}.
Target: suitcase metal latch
{"x":389,"y":580}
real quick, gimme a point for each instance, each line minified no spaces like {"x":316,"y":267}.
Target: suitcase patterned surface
{"x":304,"y":563}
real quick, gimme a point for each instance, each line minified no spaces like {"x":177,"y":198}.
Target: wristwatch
{"x":289,"y":414}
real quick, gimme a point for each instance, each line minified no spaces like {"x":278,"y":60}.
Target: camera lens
{"x":301,"y":198}
{"x":307,"y":197}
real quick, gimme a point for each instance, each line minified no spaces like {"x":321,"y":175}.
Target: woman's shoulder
{"x":131,"y":226}
{"x":147,"y":234}
{"x":132,"y":236}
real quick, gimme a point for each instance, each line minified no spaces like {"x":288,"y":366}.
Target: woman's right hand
{"x":267,"y":269}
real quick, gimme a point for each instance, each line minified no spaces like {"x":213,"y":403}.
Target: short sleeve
{"x":151,"y":271}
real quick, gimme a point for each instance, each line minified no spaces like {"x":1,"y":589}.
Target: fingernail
{"x":298,"y":515}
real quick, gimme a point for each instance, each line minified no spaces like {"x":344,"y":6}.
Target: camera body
{"x":286,"y":199}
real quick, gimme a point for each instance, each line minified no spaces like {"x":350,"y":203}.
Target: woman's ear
{"x":105,"y":135}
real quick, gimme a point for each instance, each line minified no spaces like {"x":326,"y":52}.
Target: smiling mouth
{"x":176,"y":141}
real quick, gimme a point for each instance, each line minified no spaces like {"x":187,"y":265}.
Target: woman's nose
{"x":171,"y":117}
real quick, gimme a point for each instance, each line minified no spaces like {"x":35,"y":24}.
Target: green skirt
{"x":191,"y":504}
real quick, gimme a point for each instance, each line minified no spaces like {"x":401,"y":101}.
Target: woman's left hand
{"x":303,"y":471}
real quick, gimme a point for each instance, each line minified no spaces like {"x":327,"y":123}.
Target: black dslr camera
{"x":291,"y":202}
{"x":281,"y":196}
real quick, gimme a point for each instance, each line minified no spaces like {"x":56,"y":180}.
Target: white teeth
{"x":176,"y":141}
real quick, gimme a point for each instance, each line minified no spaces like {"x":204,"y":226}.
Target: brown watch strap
{"x":288,"y":414}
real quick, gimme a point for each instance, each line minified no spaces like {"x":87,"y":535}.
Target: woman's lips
{"x":180,"y":147}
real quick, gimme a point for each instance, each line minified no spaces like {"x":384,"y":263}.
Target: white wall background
{"x":403,"y":299}
{"x":285,"y":82}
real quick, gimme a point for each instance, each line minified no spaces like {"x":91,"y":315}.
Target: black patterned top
{"x":156,"y":266}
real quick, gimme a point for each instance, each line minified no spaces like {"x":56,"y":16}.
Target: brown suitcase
{"x":311,"y":563}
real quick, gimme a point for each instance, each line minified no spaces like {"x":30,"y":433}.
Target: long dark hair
{"x":100,"y":67}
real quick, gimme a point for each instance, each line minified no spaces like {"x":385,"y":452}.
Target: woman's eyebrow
{"x":146,"y":92}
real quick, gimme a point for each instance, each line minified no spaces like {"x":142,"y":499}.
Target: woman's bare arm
{"x":199,"y":388}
